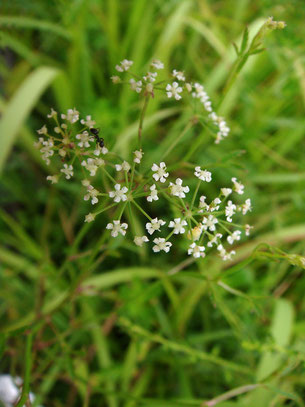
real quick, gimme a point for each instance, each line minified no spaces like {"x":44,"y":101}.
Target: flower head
{"x":234,"y":236}
{"x":72,"y":115}
{"x":53,"y":179}
{"x":196,"y":251}
{"x":84,"y":139}
{"x":90,"y":217}
{"x":92,"y":194}
{"x":157,"y":64}
{"x":138,"y":154}
{"x":178,"y":225}
{"x":124,"y":166}
{"x":179,"y":75}
{"x":230,"y":211}
{"x":136,"y":86}
{"x":161,"y":244}
{"x":178,"y":190}
{"x":238,"y":187}
{"x":154,"y":225}
{"x":119,"y":194}
{"x":204,"y":175}
{"x":139,"y":240}
{"x":160,"y":172}
{"x":174,"y":90}
{"x":117,"y":227}
{"x":153,"y":196}
{"x":124,"y":65}
{"x":208,"y":223}
{"x":67,"y":170}
{"x":88,"y":122}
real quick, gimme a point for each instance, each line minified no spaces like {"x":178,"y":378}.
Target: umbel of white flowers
{"x":200,"y":223}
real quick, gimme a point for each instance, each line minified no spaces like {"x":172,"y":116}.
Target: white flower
{"x":119,"y":194}
{"x":88,"y":122}
{"x":43,"y":130}
{"x":153,"y":194}
{"x":195,"y":233}
{"x":52,"y":114}
{"x":208,"y":223}
{"x":62,"y":152}
{"x":84,"y":139}
{"x":238,"y":187}
{"x":178,"y":190}
{"x":38,"y":144}
{"x":196,"y":251}
{"x":92,"y":194}
{"x":90,"y":166}
{"x":138,"y":156}
{"x":117,"y":227}
{"x":157,"y":64}
{"x":160,"y":172}
{"x":115,"y":79}
{"x":214,"y":240}
{"x":173,"y":90}
{"x":154,"y":225}
{"x":139,"y":240}
{"x":199,"y":91}
{"x":67,"y":170}
{"x":189,"y":87}
{"x":247,"y":229}
{"x":53,"y":178}
{"x":161,"y":244}
{"x":214,"y":205}
{"x":124,"y":65}
{"x":85,"y":182}
{"x":235,"y":236}
{"x":204,"y":175}
{"x":224,"y":254}
{"x":72,"y":115}
{"x":47,"y":150}
{"x":124,"y":166}
{"x":100,"y":150}
{"x":90,"y":217}
{"x":179,"y":75}
{"x":230,"y":211}
{"x":136,"y":86}
{"x":178,"y":225}
{"x":226,"y":191}
{"x":150,"y":76}
{"x":246,"y":206}
{"x":57,"y":130}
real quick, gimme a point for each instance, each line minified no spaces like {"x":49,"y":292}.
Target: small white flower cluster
{"x":209,"y":219}
{"x":174,"y":90}
{"x":205,"y":223}
{"x":70,"y":143}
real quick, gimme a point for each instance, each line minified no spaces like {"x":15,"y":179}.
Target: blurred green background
{"x":93,"y":323}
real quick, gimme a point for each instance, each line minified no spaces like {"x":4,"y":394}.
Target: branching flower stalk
{"x":82,"y":153}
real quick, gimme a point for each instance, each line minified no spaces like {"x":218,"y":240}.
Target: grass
{"x":90,"y":321}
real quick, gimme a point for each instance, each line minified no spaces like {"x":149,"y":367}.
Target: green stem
{"x":146,"y":100}
{"x":141,"y":210}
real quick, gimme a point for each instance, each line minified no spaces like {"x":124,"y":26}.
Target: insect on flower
{"x":99,"y":140}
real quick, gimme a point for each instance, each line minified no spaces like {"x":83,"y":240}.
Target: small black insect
{"x":95,"y":132}
{"x":98,"y":139}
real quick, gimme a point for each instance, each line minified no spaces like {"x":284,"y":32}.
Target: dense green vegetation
{"x":90,"y":321}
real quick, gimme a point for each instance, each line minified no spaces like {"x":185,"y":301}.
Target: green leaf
{"x":20,"y":105}
{"x":280,"y":330}
{"x":244,"y":42}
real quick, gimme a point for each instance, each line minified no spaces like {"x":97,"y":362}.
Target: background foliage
{"x":87,"y":321}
